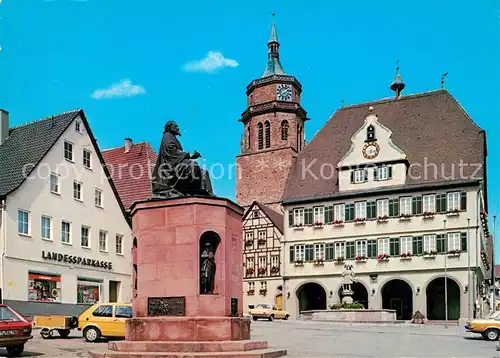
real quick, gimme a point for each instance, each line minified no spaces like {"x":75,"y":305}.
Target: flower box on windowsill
{"x":430,"y":255}
{"x":318,"y":226}
{"x":299,"y":263}
{"x":251,"y":292}
{"x":382,"y":219}
{"x":298,"y":227}
{"x":454,"y":212}
{"x":405,"y":217}
{"x":360,"y":259}
{"x":406,"y":256}
{"x":454,"y":253}
{"x":319,"y":262}
{"x":250,"y":271}
{"x":261,"y":241}
{"x":428,"y":215}
{"x":359,"y":221}
{"x":249,"y":242}
{"x":339,"y":261}
{"x":262,"y":271}
{"x":263,"y":292}
{"x":338,"y":223}
{"x":275,"y":270}
{"x":383,"y":258}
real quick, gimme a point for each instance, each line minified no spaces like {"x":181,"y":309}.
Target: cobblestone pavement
{"x":318,"y":339}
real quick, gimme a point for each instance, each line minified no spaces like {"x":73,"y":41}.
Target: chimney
{"x":128,"y":144}
{"x":4,"y":125}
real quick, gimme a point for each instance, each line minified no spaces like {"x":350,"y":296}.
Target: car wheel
{"x":254,"y":318}
{"x":491,"y":334}
{"x":46,"y":333}
{"x":271,"y":317}
{"x":286,"y":317}
{"x":15,"y":351}
{"x":91,"y":334}
{"x":64,"y":333}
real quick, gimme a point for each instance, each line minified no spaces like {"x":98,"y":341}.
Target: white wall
{"x":23,"y":252}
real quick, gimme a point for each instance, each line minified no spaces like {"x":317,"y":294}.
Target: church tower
{"x":273,"y":133}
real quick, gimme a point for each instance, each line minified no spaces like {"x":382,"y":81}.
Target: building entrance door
{"x":114,"y":289}
{"x":279,"y":301}
{"x":397,"y":304}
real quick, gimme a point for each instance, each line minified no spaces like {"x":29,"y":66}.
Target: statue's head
{"x":172,"y":127}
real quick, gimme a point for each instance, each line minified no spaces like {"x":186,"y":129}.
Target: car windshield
{"x":264,"y":306}
{"x":6,"y":315}
{"x":494,"y":315}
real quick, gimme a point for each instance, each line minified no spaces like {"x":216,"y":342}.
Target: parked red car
{"x":15,"y":331}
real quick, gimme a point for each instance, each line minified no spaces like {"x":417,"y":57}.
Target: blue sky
{"x":56,"y":54}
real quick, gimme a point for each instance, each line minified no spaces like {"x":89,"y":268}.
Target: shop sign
{"x":72,"y":259}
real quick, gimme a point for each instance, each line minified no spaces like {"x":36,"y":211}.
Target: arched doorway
{"x":398,"y":295}
{"x":311,"y":296}
{"x":360,"y":294}
{"x":436,"y":302}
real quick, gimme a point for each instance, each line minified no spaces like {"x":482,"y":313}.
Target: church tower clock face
{"x":284,"y":92}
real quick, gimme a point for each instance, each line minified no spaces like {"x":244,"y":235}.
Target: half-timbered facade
{"x":262,"y":233}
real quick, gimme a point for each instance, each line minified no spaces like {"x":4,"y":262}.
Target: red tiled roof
{"x":131,"y":171}
{"x":431,"y":128}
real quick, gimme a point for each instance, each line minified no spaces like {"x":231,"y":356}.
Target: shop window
{"x":88,"y":292}
{"x":44,"y":288}
{"x":123,"y":312}
{"x":103,"y":311}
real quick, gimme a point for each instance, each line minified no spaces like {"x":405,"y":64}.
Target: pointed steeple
{"x":397,"y":84}
{"x":273,"y":66}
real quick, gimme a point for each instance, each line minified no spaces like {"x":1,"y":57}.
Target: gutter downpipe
{"x":4,"y":248}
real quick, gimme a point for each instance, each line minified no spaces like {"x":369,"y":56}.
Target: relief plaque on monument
{"x":166,"y":306}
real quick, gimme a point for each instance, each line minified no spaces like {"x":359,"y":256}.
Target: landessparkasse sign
{"x":72,"y":259}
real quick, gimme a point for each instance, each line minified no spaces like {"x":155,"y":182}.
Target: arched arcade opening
{"x":311,"y":296}
{"x":398,"y":295}
{"x":436,"y":302}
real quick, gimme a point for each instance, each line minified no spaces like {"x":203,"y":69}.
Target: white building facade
{"x":65,"y":242}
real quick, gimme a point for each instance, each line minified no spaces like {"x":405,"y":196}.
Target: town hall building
{"x":396,"y":187}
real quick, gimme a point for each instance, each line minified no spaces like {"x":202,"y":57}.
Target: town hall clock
{"x":284,"y":92}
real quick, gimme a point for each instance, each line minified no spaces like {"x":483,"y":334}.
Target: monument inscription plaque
{"x":166,"y":306}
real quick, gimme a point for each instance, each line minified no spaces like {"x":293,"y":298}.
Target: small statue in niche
{"x":207,"y":270}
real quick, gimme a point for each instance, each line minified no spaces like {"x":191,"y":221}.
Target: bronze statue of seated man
{"x":176,"y":172}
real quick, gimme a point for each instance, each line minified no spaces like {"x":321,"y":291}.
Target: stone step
{"x":208,"y":346}
{"x":260,"y":353}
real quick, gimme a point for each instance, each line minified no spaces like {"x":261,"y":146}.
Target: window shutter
{"x":375,"y":174}
{"x":366,"y":174}
{"x":414,"y":205}
{"x":292,"y":254}
{"x":463,"y":239}
{"x":352,"y":177}
{"x":415,"y":246}
{"x":290,"y":218}
{"x":389,"y":169}
{"x":463,"y":200}
{"x":308,"y":216}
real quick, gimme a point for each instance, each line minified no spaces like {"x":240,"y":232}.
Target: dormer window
{"x":383,"y":173}
{"x":370,"y":133}
{"x":359,"y":176}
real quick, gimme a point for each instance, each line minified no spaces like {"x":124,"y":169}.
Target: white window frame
{"x":319,"y":214}
{"x":249,"y":236}
{"x":98,"y":195}
{"x":454,"y":241}
{"x":429,"y":203}
{"x":88,"y":236}
{"x":70,"y":151}
{"x":78,"y":127}
{"x":54,"y":183}
{"x":103,"y":234}
{"x":382,"y":207}
{"x":300,"y":252}
{"x":382,"y":173}
{"x":298,"y":216}
{"x":319,"y":251}
{"x":406,"y":245}
{"x":50,"y":237}
{"x":275,"y":261}
{"x":340,"y":250}
{"x":85,"y":160}
{"x":360,"y":176}
{"x":429,"y":243}
{"x":77,"y":189}
{"x":453,"y":201}
{"x":65,"y":234}
{"x":251,"y":286}
{"x":262,"y":262}
{"x":405,"y":207}
{"x":362,"y":248}
{"x":263,"y":285}
{"x":339,"y":212}
{"x":119,"y":239}
{"x":383,"y":246}
{"x":360,"y":209}
{"x":250,"y":262}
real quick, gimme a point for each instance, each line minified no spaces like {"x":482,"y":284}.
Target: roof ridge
{"x":113,"y":148}
{"x":46,"y":118}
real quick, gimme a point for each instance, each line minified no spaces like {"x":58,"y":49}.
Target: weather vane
{"x":442,"y":79}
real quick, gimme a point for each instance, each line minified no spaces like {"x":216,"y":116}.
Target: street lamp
{"x":445,"y":277}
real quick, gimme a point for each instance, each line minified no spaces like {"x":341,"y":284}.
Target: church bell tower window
{"x":268,"y":134}
{"x":370,"y":133}
{"x":284,"y":130}
{"x":261,"y":135}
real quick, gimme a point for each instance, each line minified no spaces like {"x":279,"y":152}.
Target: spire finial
{"x":442,"y":79}
{"x":397,"y":84}
{"x":273,"y":63}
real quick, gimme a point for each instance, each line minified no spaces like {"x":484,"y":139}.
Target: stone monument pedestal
{"x":171,"y":316}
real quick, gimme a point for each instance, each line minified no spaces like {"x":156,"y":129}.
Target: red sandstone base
{"x":166,"y":264}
